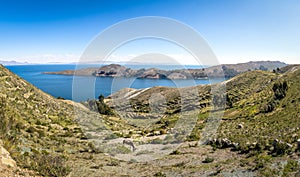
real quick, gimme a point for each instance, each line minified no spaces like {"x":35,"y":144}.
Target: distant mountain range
{"x":12,"y":62}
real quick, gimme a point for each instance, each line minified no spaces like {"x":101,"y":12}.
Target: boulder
{"x":5,"y":159}
{"x":298,"y":145}
{"x":240,"y":126}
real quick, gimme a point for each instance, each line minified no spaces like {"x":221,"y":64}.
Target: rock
{"x":156,"y":133}
{"x":298,"y":145}
{"x":240,"y":126}
{"x":289,"y":145}
{"x":225,"y":143}
{"x":221,"y":143}
{"x":27,"y":95}
{"x":235,"y":146}
{"x":5,"y":158}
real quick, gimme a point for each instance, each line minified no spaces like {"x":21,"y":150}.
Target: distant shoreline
{"x":219,"y":71}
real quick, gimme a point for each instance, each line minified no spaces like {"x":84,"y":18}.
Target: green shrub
{"x":99,"y":106}
{"x":262,"y":160}
{"x":118,"y":149}
{"x":268,"y":107}
{"x":208,"y":160}
{"x":8,"y":127}
{"x":279,"y":89}
{"x":281,"y":149}
{"x":113,"y":162}
{"x":157,"y":141}
{"x":159,"y":174}
{"x":48,"y":165}
{"x":175,"y":152}
{"x":291,"y":166}
{"x":111,"y":136}
{"x":31,"y":129}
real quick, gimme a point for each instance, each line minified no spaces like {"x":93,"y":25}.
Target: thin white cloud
{"x":51,"y":58}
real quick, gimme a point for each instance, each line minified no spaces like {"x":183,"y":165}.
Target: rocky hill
{"x":228,"y":70}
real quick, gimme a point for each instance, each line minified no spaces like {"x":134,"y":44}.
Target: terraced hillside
{"x":261,"y":118}
{"x":268,"y":111}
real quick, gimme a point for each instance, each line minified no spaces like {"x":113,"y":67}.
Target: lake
{"x":61,"y":85}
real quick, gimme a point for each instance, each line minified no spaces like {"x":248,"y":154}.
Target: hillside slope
{"x":268,"y":111}
{"x":261,"y":119}
{"x":38,"y":130}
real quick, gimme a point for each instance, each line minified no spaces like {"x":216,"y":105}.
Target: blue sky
{"x":237,"y":30}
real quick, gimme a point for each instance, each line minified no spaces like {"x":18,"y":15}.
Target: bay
{"x":62,"y":85}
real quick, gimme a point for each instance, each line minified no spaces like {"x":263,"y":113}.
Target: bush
{"x":268,"y":107}
{"x":281,"y":148}
{"x":208,"y":160}
{"x":279,"y":89}
{"x":31,"y":130}
{"x":157,"y":141}
{"x":8,"y":126}
{"x":175,"y":152}
{"x":111,"y":136}
{"x":159,"y":174}
{"x":99,"y":106}
{"x":47,"y":165}
{"x":291,"y":166}
{"x":229,"y":102}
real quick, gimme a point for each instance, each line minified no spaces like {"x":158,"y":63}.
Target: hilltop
{"x":227,"y":70}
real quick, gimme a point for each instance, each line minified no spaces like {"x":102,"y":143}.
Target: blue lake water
{"x":61,"y":85}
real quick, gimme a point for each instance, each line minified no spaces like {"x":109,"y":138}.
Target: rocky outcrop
{"x":223,"y":143}
{"x":5,"y":159}
{"x":7,"y":164}
{"x":112,"y":70}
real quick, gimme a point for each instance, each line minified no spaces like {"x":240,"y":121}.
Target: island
{"x":224,"y":70}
